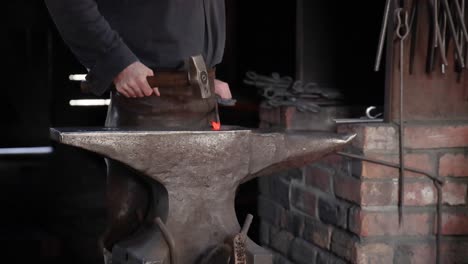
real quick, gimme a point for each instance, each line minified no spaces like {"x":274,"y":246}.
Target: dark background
{"x":53,"y":205}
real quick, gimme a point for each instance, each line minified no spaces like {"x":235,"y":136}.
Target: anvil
{"x":195,"y":175}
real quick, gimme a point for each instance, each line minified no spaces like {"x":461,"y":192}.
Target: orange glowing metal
{"x":216,"y":125}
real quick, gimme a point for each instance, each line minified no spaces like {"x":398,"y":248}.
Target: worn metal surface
{"x":198,"y":76}
{"x":200,"y":171}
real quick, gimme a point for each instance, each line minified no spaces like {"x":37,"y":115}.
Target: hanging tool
{"x":383,"y":32}
{"x":453,"y":32}
{"x":466,"y":46}
{"x":435,"y":21}
{"x":436,"y":37}
{"x":431,"y":39}
{"x":402,"y":31}
{"x":369,"y":114}
{"x":461,"y":20}
{"x":414,"y":33}
{"x":462,"y":34}
{"x":440,"y":40}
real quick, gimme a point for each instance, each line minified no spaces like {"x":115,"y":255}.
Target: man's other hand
{"x":131,"y":82}
{"x":222,"y":89}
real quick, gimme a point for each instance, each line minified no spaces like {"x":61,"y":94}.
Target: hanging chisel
{"x":414,"y":33}
{"x":383,"y":32}
{"x":431,"y":43}
{"x":453,"y":32}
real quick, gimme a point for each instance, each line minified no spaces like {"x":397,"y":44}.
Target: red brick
{"x":344,"y":244}
{"x":379,"y":193}
{"x":302,"y":252}
{"x":374,"y":253}
{"x":455,"y":223}
{"x":455,"y":165}
{"x":303,"y":200}
{"x":354,"y":219}
{"x":281,"y":242}
{"x":279,"y":190}
{"x":294,"y":223}
{"x":270,"y":115}
{"x":272,"y":212}
{"x":454,"y":251}
{"x":420,"y":193}
{"x":347,"y":187}
{"x":319,"y":177}
{"x":416,"y":253}
{"x":318,"y":233}
{"x":287,"y":115}
{"x":366,"y":224}
{"x":436,"y":136}
{"x":332,"y":160}
{"x":454,"y":193}
{"x":331,"y":211}
{"x":264,"y":233}
{"x":421,"y":161}
{"x":373,"y":137}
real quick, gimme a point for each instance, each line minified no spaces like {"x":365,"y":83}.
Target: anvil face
{"x":201,"y":171}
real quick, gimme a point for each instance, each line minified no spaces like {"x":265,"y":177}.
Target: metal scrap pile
{"x":284,"y":91}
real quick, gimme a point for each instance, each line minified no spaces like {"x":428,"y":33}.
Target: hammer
{"x":197,"y":77}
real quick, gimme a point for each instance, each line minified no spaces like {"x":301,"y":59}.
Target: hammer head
{"x":198,"y":76}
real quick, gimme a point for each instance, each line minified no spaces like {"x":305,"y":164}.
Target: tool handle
{"x":247,"y":223}
{"x":168,"y":80}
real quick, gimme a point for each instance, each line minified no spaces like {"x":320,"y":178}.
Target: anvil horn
{"x":276,"y":152}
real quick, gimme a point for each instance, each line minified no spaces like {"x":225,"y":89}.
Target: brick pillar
{"x":302,"y":221}
{"x":345,"y":211}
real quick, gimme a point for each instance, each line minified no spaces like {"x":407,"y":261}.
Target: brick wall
{"x":346,"y":211}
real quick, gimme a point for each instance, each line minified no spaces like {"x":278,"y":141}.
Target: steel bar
{"x":441,"y":46}
{"x":436,"y":20}
{"x":462,"y":33}
{"x":430,"y":45}
{"x":443,"y":37}
{"x":461,"y":20}
{"x":414,"y":33}
{"x":383,"y":31}
{"x":438,"y":41}
{"x":357,"y":120}
{"x":392,"y":165}
{"x":453,"y":31}
{"x":402,"y":33}
{"x":439,"y":222}
{"x":464,"y":18}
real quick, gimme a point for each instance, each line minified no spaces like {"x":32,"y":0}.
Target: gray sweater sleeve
{"x":96,"y":45}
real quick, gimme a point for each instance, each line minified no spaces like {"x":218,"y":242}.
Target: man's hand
{"x":222,"y":89}
{"x":131,"y":82}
